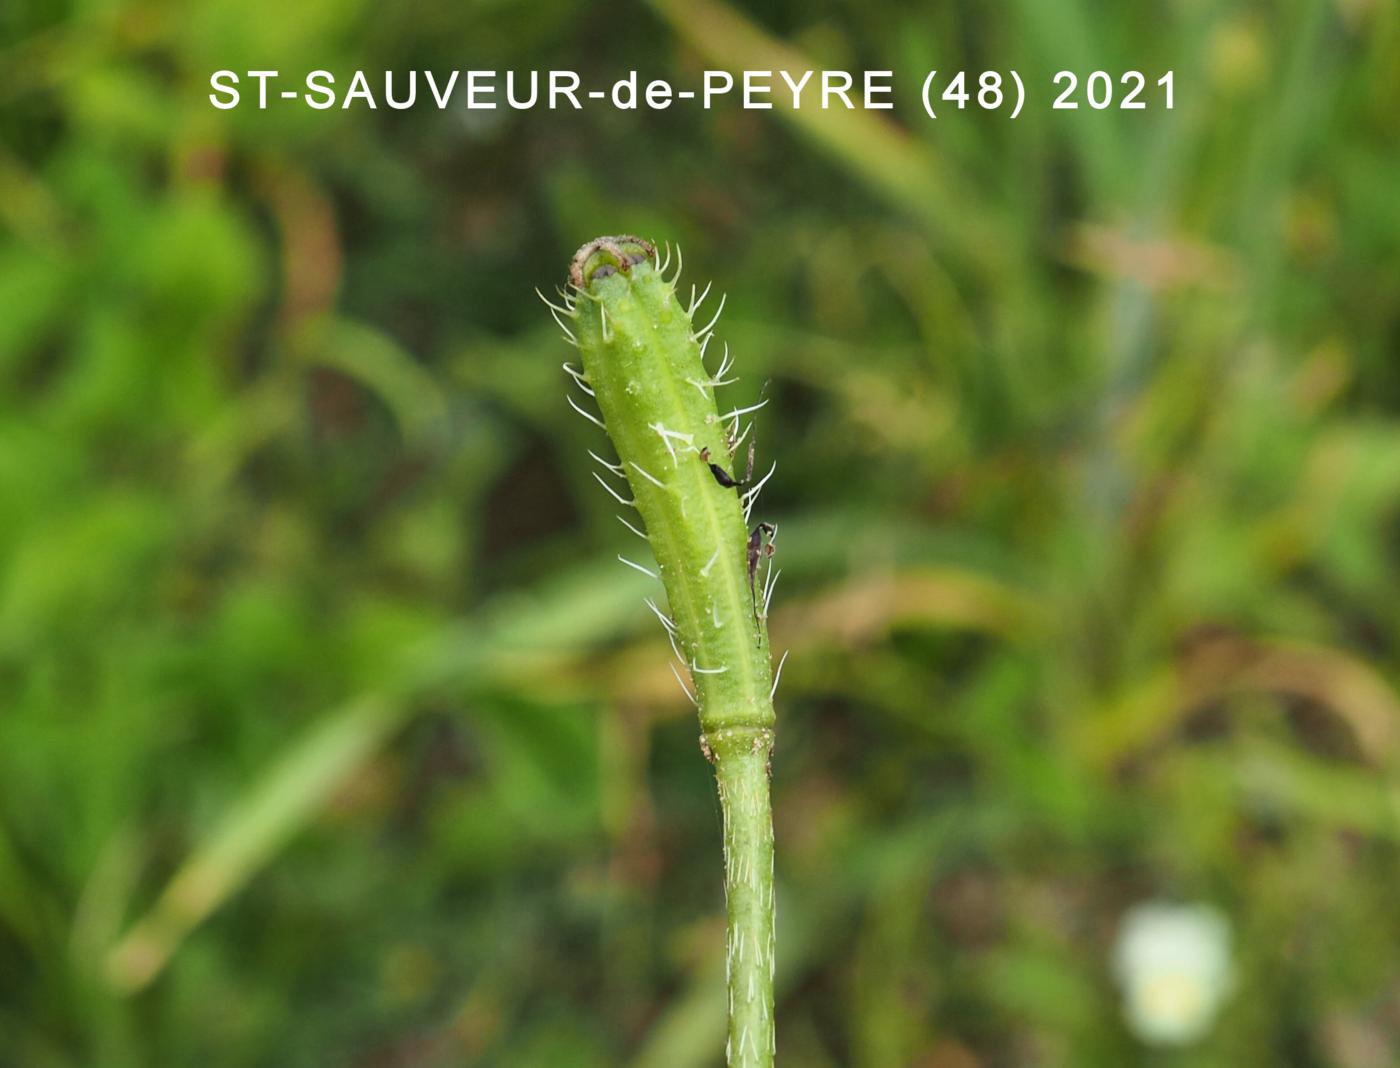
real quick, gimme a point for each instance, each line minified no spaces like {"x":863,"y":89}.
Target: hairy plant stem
{"x":643,"y":364}
{"x":742,"y":774}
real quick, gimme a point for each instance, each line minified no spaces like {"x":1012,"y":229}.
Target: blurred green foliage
{"x":330,"y":734}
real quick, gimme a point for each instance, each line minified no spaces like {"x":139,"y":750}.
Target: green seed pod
{"x":644,"y":364}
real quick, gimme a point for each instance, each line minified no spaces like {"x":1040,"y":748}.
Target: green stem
{"x":643,"y":362}
{"x":748,"y":886}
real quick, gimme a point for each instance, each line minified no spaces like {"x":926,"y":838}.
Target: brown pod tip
{"x":604,"y":256}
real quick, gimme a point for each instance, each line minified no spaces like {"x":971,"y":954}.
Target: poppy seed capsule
{"x":642,"y":360}
{"x":644,"y":367}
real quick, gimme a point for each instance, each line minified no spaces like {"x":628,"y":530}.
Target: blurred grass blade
{"x":526,"y":635}
{"x":271,"y":811}
{"x":376,"y":360}
{"x":1330,"y":680}
{"x":871,"y":147}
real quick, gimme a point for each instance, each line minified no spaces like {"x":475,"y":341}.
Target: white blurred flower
{"x":1173,"y":962}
